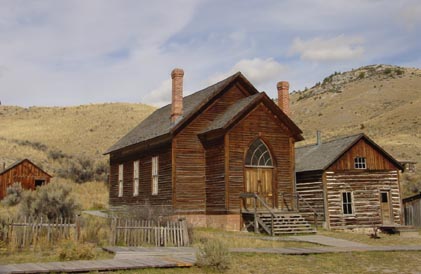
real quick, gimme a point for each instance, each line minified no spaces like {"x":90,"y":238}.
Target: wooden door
{"x":259,"y":180}
{"x":385,"y":207}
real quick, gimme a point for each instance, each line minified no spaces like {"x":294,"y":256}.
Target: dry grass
{"x":385,"y":239}
{"x":356,"y":262}
{"x":242,"y":239}
{"x":82,"y":131}
{"x":90,"y":195}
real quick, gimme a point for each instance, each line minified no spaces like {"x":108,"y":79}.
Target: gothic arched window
{"x":258,"y":155}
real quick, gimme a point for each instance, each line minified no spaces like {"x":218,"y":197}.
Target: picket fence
{"x":132,"y":232}
{"x":29,"y":231}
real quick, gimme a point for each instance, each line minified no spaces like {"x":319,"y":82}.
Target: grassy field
{"x":362,"y":262}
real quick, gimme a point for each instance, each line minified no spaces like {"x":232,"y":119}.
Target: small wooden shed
{"x":351,"y":182}
{"x":24,"y":172}
{"x":412,"y":206}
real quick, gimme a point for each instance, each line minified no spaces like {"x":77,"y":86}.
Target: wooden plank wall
{"x":260,"y":123}
{"x":164,"y":196}
{"x":413,"y":213}
{"x":366,"y":187}
{"x":374,"y":159}
{"x":25,"y":173}
{"x":310,"y":188}
{"x":215,"y":178}
{"x":190,"y":160}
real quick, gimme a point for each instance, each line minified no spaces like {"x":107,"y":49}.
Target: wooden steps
{"x":283,"y":223}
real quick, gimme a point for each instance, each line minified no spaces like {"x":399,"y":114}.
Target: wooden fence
{"x":132,"y":232}
{"x":28,"y":231}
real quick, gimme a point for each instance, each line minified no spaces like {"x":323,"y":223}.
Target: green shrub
{"x":13,"y":195}
{"x":214,"y":254}
{"x":50,"y":201}
{"x":399,"y":71}
{"x":361,"y":75}
{"x":71,"y":250}
{"x":387,"y":71}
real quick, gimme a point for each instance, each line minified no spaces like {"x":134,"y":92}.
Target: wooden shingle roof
{"x":15,"y":164}
{"x":322,"y":156}
{"x":158,"y":125}
{"x":159,"y":122}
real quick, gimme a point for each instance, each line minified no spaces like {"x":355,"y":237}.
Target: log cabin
{"x":199,"y":154}
{"x":24,"y":172}
{"x":350,"y":182}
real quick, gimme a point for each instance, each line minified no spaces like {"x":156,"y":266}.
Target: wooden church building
{"x":197,"y":155}
{"x":24,"y":172}
{"x":351,"y":182}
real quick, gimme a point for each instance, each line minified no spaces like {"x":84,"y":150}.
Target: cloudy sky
{"x":81,"y":52}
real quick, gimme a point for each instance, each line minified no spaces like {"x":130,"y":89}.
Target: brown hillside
{"x":53,"y":136}
{"x":382,"y":101}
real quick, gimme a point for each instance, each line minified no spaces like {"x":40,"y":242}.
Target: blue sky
{"x":81,"y":52}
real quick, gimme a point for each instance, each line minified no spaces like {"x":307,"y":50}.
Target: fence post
{"x":77,"y":228}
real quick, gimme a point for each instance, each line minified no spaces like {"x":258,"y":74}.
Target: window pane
{"x":384,"y":197}
{"x":258,"y":155}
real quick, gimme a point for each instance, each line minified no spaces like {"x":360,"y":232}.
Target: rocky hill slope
{"x":380,"y":100}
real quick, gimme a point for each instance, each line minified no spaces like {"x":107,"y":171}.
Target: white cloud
{"x":339,"y":48}
{"x":161,"y":95}
{"x":258,"y":71}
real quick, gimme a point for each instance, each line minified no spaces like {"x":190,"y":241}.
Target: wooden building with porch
{"x":24,"y":172}
{"x":199,"y":154}
{"x":351,"y":182}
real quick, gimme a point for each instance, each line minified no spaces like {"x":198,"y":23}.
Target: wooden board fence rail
{"x":28,"y":231}
{"x":134,"y":232}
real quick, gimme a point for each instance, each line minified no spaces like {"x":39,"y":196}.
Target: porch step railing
{"x":265,"y":219}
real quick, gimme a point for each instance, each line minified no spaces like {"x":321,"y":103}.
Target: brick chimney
{"x":283,"y":96}
{"x":318,"y":137}
{"x":177,"y":95}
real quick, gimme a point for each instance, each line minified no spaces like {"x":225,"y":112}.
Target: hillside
{"x":61,"y":138}
{"x":380,"y":100}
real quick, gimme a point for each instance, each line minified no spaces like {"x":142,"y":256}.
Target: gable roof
{"x":15,"y":164}
{"x":159,"y":123}
{"x":243,"y":106}
{"x":322,"y":156}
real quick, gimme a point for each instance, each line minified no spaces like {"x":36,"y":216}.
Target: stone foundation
{"x":230,"y":222}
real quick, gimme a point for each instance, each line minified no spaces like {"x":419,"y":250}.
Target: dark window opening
{"x":347,"y":202}
{"x":384,"y":197}
{"x":360,"y":163}
{"x":39,"y":183}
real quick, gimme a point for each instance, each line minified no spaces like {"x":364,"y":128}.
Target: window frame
{"x":155,"y":175}
{"x":348,"y":204}
{"x":258,"y":155}
{"x":136,"y":177}
{"x":360,"y":162}
{"x":120,"y":180}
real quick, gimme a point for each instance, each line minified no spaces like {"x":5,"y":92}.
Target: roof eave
{"x":156,"y":141}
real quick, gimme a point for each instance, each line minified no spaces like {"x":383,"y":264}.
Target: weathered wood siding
{"x":365,"y":187}
{"x":413,"y":212}
{"x":25,"y":173}
{"x":309,"y":185}
{"x":260,"y":123}
{"x":374,"y":159}
{"x":190,"y":160}
{"x":164,"y":196}
{"x":215,"y":178}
